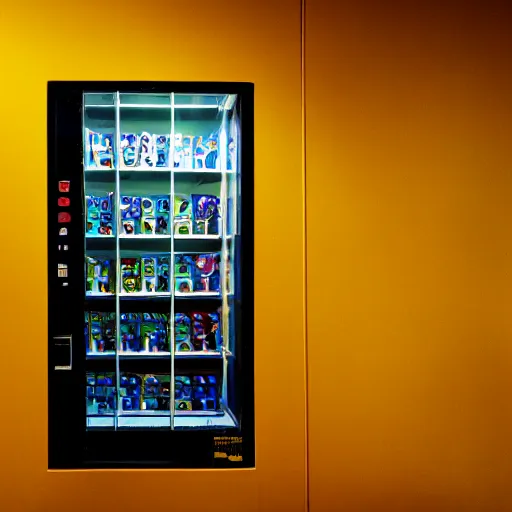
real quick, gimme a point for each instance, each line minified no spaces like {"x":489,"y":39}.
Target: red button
{"x":64,"y":201}
{"x":64,"y":217}
{"x":63,"y":186}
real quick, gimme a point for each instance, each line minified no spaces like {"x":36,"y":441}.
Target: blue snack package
{"x":148,"y":221}
{"x":206,"y":273}
{"x":129,"y":150}
{"x":99,"y":150}
{"x":131,"y":212}
{"x":182,"y":333}
{"x":92,"y":224}
{"x":210,"y":159}
{"x":162,"y":150}
{"x":206,"y":214}
{"x":162,"y":215}
{"x":183,"y":268}
{"x":199,"y":153}
{"x":205,"y":331}
{"x":178,"y":150}
{"x":148,"y":275}
{"x":147,"y":155}
{"x":99,"y":220}
{"x":187,"y":157}
{"x":162,"y":271}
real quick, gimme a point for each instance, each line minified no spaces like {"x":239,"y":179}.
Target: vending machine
{"x":150,"y":274}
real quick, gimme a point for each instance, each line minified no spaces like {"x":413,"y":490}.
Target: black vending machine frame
{"x":70,"y":444}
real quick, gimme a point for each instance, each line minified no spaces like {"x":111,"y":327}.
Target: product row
{"x":193,"y":273}
{"x":149,"y":332}
{"x":148,"y":150}
{"x":197,"y":214}
{"x":143,"y":392}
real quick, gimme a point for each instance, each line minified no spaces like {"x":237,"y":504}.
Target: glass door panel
{"x":162,"y":215}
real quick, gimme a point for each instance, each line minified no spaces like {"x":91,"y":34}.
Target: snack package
{"x":99,"y":150}
{"x":92,"y":225}
{"x":100,"y":332}
{"x":182,"y":215}
{"x":157,"y":392}
{"x":205,"y":331}
{"x":99,"y":221}
{"x":206,"y":214}
{"x":129,"y":150}
{"x":130,"y":391}
{"x":148,"y":220}
{"x":100,"y":392}
{"x":130,"y":275}
{"x":130,"y":335}
{"x":210,"y":159}
{"x":149,"y":280}
{"x":130,"y":215}
{"x":199,"y":153}
{"x":182,"y":333}
{"x":147,"y":153}
{"x":178,"y":150}
{"x":162,"y":215}
{"x":162,"y":271}
{"x":182,"y":393}
{"x":100,"y":276}
{"x":153,"y":333}
{"x":206,"y":276}
{"x":187,"y":158}
{"x":162,"y":150}
{"x":183,"y":268}
{"x":204,"y":393}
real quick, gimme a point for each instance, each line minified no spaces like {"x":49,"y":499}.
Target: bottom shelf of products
{"x":144,"y":401}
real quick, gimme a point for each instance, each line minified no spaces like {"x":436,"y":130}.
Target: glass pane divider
{"x":172,"y":343}
{"x":117,"y":156}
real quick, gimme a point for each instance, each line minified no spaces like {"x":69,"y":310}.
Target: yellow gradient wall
{"x":225,"y":40}
{"x":409,"y":222}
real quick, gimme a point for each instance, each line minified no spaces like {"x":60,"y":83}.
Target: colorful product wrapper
{"x":131,"y":275}
{"x":130,"y":391}
{"x":147,"y":150}
{"x":197,"y":273}
{"x":182,"y":215}
{"x":210,"y":159}
{"x":205,"y":331}
{"x":196,"y":393}
{"x":199,"y":153}
{"x":99,"y":150}
{"x":182,"y":329}
{"x":99,"y":218}
{"x":131,"y":212}
{"x":100,"y":393}
{"x":145,"y":216}
{"x":157,"y":392}
{"x":178,"y":150}
{"x":100,"y":332}
{"x":187,"y":157}
{"x":206,"y":214}
{"x":206,"y":274}
{"x":144,"y":332}
{"x":162,"y":150}
{"x":100,"y":276}
{"x":162,"y":215}
{"x":129,"y":149}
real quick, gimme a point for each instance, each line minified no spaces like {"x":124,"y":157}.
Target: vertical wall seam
{"x":304,"y":241}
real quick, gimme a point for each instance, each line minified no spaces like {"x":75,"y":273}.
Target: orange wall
{"x":409,"y":157}
{"x":160,"y":40}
